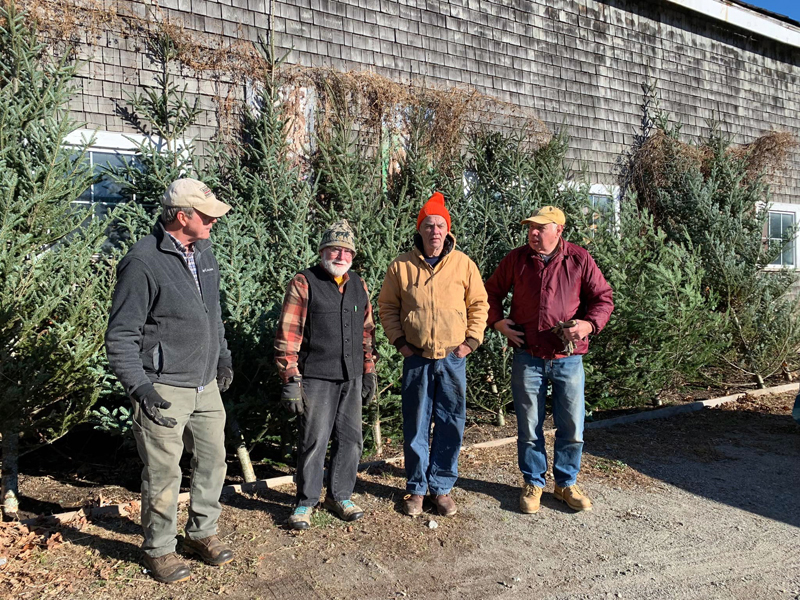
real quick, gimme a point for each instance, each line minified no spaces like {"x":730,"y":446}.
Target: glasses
{"x":334,"y":250}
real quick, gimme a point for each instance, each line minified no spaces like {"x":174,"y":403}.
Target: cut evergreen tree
{"x":266,"y":239}
{"x":664,"y":328}
{"x":714,"y":198}
{"x":164,"y":113}
{"x":55,"y":286}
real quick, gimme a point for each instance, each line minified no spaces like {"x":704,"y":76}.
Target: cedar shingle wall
{"x":580,"y":63}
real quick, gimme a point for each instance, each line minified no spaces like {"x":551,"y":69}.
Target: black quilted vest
{"x":333,"y":334}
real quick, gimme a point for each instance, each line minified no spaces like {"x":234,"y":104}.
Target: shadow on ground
{"x":745,"y":457}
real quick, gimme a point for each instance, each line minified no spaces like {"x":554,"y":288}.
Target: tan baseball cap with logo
{"x":191,"y":193}
{"x":545,"y":215}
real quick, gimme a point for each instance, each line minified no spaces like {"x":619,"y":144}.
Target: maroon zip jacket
{"x":570,"y":286}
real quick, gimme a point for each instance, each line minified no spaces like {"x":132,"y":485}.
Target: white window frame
{"x":600,"y":189}
{"x":784,"y":207}
{"x":108,"y":142}
{"x":612,"y":191}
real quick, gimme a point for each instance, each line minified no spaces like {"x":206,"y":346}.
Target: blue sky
{"x":790,"y":8}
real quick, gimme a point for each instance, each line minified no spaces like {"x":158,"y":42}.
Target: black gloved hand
{"x":292,"y":397}
{"x":224,"y":378}
{"x":369,"y":382}
{"x":150,"y":401}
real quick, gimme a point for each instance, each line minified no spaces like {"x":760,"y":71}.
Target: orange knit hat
{"x":434,"y":206}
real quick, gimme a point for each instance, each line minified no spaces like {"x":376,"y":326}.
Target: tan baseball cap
{"x":546,"y":214}
{"x":191,"y":193}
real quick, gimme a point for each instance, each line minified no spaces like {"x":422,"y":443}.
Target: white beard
{"x":335,"y":270}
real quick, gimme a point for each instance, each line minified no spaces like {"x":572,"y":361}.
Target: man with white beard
{"x":324,"y":350}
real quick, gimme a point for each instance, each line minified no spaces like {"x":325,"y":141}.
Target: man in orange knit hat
{"x":433,"y":308}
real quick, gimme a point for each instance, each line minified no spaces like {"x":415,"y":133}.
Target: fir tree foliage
{"x":162,"y":113}
{"x":663,"y":330}
{"x":54,"y":285}
{"x":267,"y":238}
{"x":705,"y":196}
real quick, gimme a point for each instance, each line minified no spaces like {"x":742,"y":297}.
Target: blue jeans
{"x":437,"y":389}
{"x":529,"y":378}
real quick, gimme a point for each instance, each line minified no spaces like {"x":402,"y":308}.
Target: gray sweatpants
{"x":331,"y":407}
{"x":201,"y":429}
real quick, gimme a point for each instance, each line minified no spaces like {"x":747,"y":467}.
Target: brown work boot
{"x":167,"y":569}
{"x":210,"y":549}
{"x":412,"y":505}
{"x":573,"y":497}
{"x":530,"y":498}
{"x":444,"y":504}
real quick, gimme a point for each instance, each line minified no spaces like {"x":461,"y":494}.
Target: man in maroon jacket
{"x":559,"y":298}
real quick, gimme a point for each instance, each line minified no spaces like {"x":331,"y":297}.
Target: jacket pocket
{"x":158,"y":359}
{"x":451,"y":327}
{"x":437,"y":329}
{"x":415,"y":329}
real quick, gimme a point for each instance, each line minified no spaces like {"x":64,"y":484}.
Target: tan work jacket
{"x":433,"y":310}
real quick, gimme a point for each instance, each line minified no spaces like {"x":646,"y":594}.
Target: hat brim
{"x":213,"y":208}
{"x":539,"y":221}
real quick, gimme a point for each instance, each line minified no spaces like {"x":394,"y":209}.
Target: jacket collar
{"x":564,"y":249}
{"x":166,"y":244}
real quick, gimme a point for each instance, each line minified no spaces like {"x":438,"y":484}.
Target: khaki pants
{"x":201,"y":429}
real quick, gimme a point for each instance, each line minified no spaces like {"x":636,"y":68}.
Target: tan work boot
{"x":210,"y":549}
{"x":573,"y":497}
{"x":346,"y":510}
{"x":530,"y":499}
{"x":167,"y":569}
{"x":412,"y":505}
{"x":444,"y":504}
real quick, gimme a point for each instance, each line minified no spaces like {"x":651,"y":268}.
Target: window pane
{"x":787,"y":222}
{"x":788,"y":255}
{"x":106,"y":190}
{"x":602,"y":204}
{"x":86,"y":196}
{"x":773,"y":245}
{"x":774,"y":225}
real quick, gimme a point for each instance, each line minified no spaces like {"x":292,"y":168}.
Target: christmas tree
{"x":55,"y":285}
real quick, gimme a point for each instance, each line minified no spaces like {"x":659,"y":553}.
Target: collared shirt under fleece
{"x":289,"y":336}
{"x":188,"y":256}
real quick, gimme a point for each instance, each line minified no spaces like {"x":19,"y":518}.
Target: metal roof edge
{"x":745,"y":18}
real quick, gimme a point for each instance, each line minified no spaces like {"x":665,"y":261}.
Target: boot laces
{"x":530,"y":489}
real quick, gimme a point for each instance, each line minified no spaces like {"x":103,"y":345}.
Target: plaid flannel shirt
{"x":289,"y":337}
{"x":188,"y":256}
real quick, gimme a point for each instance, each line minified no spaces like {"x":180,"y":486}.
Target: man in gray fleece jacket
{"x":166,"y":344}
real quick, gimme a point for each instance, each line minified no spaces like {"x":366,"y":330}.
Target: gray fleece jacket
{"x":161,"y":329}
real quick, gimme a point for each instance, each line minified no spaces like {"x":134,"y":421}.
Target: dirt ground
{"x":701,"y":506}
